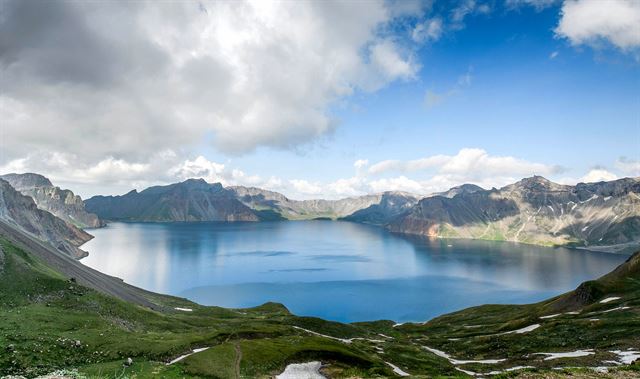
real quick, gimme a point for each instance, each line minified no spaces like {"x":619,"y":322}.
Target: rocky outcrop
{"x":600,"y":216}
{"x":191,"y":200}
{"x":20,"y":210}
{"x":62,"y":203}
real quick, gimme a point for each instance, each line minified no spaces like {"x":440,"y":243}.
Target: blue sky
{"x":531,"y":95}
{"x":498,"y":91}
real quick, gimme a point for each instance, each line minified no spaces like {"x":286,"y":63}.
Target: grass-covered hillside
{"x":50,"y":322}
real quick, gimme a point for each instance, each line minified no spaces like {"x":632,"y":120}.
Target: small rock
{"x":128,"y":362}
{"x":10,"y":347}
{"x":77,"y":343}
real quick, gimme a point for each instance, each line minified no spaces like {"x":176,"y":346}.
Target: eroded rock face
{"x":62,"y":203}
{"x":22,"y":211}
{"x":600,"y":216}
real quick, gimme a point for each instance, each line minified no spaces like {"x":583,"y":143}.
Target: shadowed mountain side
{"x":191,"y":200}
{"x":21,"y":210}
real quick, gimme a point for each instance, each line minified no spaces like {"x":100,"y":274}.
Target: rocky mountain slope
{"x":600,"y":216}
{"x":191,"y":200}
{"x":376,"y":208}
{"x":62,"y":203}
{"x":21,"y":211}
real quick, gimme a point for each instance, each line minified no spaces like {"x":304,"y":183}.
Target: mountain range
{"x":600,"y":216}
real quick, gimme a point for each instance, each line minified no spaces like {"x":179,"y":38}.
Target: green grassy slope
{"x":48,"y":322}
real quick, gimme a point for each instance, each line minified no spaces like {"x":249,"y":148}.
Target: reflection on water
{"x":337,"y":270}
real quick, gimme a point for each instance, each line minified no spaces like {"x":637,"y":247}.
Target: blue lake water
{"x":335,"y":270}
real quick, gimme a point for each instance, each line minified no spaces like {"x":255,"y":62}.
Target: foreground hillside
{"x":57,"y":314}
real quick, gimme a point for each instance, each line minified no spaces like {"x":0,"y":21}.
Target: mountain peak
{"x":27,"y":180}
{"x":535,"y":182}
{"x":198,"y":183}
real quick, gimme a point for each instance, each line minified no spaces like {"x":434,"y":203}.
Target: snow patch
{"x":570,"y":354}
{"x":309,"y":370}
{"x":526,"y":329}
{"x":183,"y":309}
{"x":615,"y":309}
{"x":343,"y":340}
{"x":186,"y":355}
{"x":454,"y":361}
{"x":550,"y":316}
{"x":627,"y":357}
{"x":397,"y":369}
{"x":609,"y":299}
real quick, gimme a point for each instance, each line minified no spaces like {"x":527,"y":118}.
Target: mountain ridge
{"x":63,"y":203}
{"x":601,"y":216}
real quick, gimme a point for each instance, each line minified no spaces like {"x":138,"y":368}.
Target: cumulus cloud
{"x":593,"y":21}
{"x":598,"y":175}
{"x":128,"y":79}
{"x":469,"y":165}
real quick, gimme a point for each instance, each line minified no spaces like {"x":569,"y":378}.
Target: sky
{"x":319,"y":99}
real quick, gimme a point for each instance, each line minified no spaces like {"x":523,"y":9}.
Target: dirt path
{"x":238,"y":359}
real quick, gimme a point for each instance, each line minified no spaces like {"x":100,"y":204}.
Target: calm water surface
{"x":336,"y":270}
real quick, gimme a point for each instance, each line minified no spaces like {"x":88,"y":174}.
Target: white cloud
{"x":598,"y":175}
{"x":389,"y":62}
{"x":554,"y":55}
{"x":400,"y":183}
{"x":305,"y":188}
{"x":428,"y":31}
{"x":408,"y":166}
{"x":469,"y":165}
{"x":129,"y":79}
{"x":593,"y":21}
{"x":361,"y":163}
{"x":466,"y":8}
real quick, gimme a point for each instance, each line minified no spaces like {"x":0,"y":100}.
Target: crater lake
{"x":336,"y":270}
